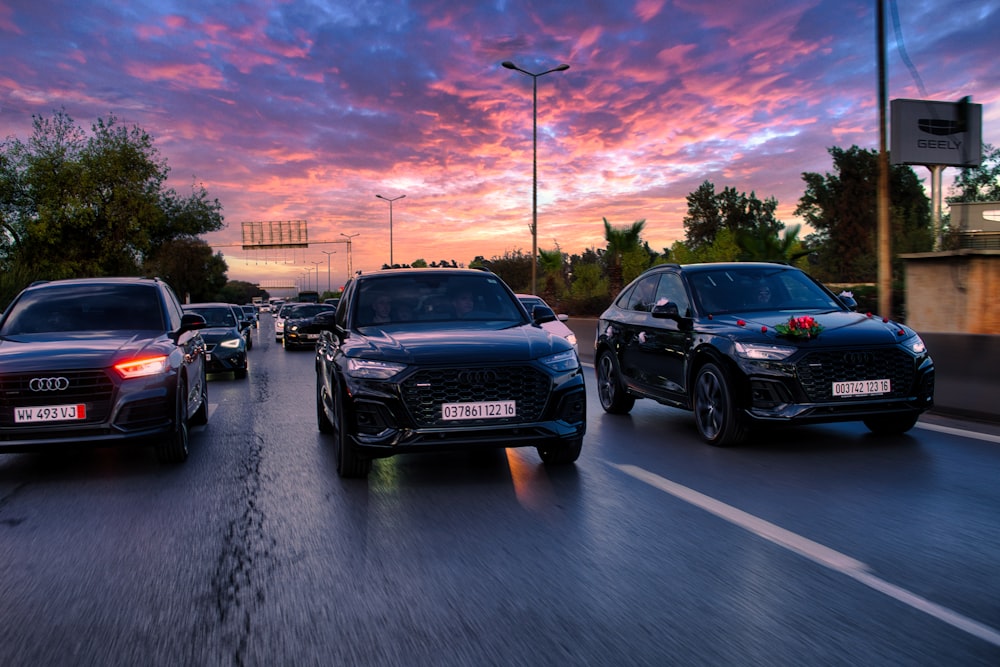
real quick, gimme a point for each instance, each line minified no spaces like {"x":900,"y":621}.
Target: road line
{"x":814,"y":551}
{"x":950,"y":430}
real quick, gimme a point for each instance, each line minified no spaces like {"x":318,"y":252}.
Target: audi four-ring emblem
{"x":49,"y":384}
{"x":479,"y":377}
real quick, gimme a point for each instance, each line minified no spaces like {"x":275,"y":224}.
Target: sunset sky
{"x":307,"y":109}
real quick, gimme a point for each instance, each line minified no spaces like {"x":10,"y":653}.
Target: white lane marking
{"x":950,"y":430}
{"x":814,"y":551}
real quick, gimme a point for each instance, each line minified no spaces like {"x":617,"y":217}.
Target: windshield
{"x":303,"y":311}
{"x":78,"y":308}
{"x":405,"y":299}
{"x":757,"y":289}
{"x":214,"y":317}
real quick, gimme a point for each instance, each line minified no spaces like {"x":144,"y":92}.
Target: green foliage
{"x":624,"y":245}
{"x":514,"y":268}
{"x":842,"y":208}
{"x":980,"y":183}
{"x":75,"y":205}
{"x":768,"y":247}
{"x":190,"y":268}
{"x":710,"y":213}
{"x":238,"y":292}
{"x":723,"y":248}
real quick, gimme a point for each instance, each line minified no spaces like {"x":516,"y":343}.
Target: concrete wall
{"x":953,"y":292}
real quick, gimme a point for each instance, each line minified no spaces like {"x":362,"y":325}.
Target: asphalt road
{"x":809,"y":546}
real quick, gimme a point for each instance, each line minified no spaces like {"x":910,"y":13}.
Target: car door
{"x":654,"y":357}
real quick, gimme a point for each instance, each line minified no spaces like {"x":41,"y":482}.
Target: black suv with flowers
{"x":757,"y":343}
{"x":102,"y":361}
{"x":426,"y":359}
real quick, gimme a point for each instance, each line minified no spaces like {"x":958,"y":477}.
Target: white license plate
{"x":478,"y":410}
{"x":50,"y":413}
{"x":862,"y":388}
{"x":311,"y":336}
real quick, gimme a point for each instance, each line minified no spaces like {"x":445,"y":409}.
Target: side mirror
{"x":326,"y":320}
{"x":542,"y":314}
{"x":191,"y":322}
{"x":666,"y":311}
{"x":848,"y":300}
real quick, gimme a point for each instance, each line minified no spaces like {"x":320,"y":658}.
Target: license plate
{"x":862,"y":388}
{"x":50,"y":413}
{"x":478,"y":410}
{"x":311,"y":336}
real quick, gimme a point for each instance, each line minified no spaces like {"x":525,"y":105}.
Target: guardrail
{"x":966,"y":369}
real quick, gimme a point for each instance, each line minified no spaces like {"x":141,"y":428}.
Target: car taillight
{"x":141,"y":367}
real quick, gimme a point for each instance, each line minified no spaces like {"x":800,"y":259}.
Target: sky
{"x":306,"y":110}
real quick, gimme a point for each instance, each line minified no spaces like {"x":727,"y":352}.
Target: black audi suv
{"x":426,"y":359}
{"x":101,"y":361}
{"x":741,"y":344}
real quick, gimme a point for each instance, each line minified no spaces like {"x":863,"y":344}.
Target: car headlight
{"x":142,"y":367}
{"x":572,"y":339}
{"x":231,"y":343}
{"x":373,"y":370}
{"x":914,"y":344}
{"x":763,"y":352}
{"x":562,"y":361}
{"x":294,"y":327}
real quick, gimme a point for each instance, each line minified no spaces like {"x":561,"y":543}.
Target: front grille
{"x":91,"y":387}
{"x":425,"y":391}
{"x":817,"y":371}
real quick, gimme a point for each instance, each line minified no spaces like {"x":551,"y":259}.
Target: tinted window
{"x":215,"y":317}
{"x":86,"y":308}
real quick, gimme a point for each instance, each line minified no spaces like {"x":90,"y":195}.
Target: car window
{"x":643,"y":296}
{"x":671,"y":290}
{"x":215,"y":317}
{"x":68,"y":308}
{"x":433,"y":297}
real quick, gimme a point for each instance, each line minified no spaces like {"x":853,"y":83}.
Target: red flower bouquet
{"x":799,"y":327}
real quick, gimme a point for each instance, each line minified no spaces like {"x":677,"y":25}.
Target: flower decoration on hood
{"x":799,"y":327}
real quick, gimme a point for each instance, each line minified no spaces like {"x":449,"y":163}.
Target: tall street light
{"x":328,"y":253}
{"x":390,"y":223}
{"x":534,"y":162}
{"x":350,"y":268}
{"x":317,"y":273}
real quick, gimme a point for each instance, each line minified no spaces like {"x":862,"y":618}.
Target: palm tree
{"x":551,"y":262}
{"x":765,"y":246}
{"x":620,"y":241}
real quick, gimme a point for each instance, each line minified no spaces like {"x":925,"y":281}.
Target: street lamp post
{"x":328,"y":253}
{"x":534,"y":162}
{"x":350,"y":268}
{"x":317,"y":273}
{"x":390,"y":222}
{"x":309,"y":270}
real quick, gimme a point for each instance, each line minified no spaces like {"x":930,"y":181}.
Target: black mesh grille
{"x":93,"y":388}
{"x":425,"y":391}
{"x":818,"y":371}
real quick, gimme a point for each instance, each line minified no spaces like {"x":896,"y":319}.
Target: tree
{"x":709,"y":213}
{"x":78,"y":205}
{"x":980,"y":183}
{"x":767,"y":247}
{"x":841,"y":207}
{"x":238,"y":292}
{"x":623,"y":245}
{"x":190,"y":268}
{"x":553,"y":280}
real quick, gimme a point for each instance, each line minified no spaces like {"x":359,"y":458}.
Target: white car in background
{"x":556,"y":327}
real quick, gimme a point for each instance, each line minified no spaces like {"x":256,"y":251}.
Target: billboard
{"x":947,"y":134}
{"x":275,"y":234}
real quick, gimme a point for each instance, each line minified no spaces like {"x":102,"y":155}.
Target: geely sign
{"x":947,"y":134}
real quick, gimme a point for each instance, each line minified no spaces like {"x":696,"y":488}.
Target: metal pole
{"x":350,"y":266}
{"x":328,"y":254}
{"x":534,"y":163}
{"x":391,"y":264}
{"x":884,"y":226}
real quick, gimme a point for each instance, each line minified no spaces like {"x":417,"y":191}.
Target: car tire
{"x":715,"y":413}
{"x":891,"y":424}
{"x":610,"y":389}
{"x":560,"y":452}
{"x":349,"y":464}
{"x":200,"y":416}
{"x":322,"y":421}
{"x":173,"y":448}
